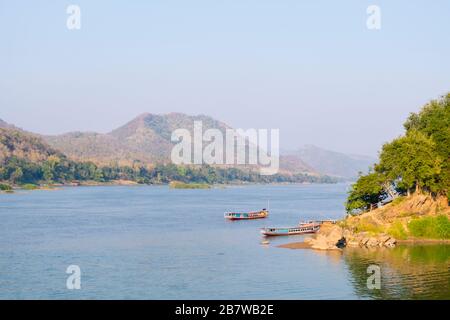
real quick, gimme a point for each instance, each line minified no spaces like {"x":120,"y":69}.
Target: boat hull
{"x":252,"y":218}
{"x":246,"y":215}
{"x":269,"y":232}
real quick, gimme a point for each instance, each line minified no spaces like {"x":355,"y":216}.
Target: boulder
{"x":364,"y":241}
{"x":373,"y":242}
{"x":322,"y":242}
{"x":348,"y":234}
{"x":319,"y":243}
{"x":390,"y":243}
{"x":335,"y":234}
{"x":341,"y":243}
{"x":353,"y":243}
{"x":330,"y":238}
{"x":384,"y":238}
{"x":336,"y":238}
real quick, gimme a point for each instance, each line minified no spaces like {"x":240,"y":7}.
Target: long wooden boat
{"x":246,"y":215}
{"x":300,"y":229}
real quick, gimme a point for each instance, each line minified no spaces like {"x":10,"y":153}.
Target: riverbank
{"x":183,"y":185}
{"x":8,"y":188}
{"x":418,"y":219}
{"x":329,"y":243}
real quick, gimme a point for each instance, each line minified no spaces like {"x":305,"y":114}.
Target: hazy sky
{"x":310,"y":68}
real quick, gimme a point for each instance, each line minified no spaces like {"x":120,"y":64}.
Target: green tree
{"x":411,"y":161}
{"x":434,"y":121}
{"x":16,"y":176}
{"x":367,"y":191}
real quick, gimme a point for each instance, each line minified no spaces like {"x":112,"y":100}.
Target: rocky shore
{"x":415,"y":219}
{"x":334,"y":237}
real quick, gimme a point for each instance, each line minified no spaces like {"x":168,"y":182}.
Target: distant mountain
{"x":333,"y":163}
{"x":22,"y":145}
{"x":294,"y":164}
{"x":147,"y":138}
{"x":25,"y":158}
{"x":6,"y":125}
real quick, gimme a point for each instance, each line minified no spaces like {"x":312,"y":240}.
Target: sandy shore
{"x":295,"y":245}
{"x":304,"y":245}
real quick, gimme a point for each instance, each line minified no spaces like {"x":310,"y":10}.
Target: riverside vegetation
{"x":406,"y":195}
{"x":28,"y":161}
{"x":417,"y":162}
{"x":183,"y":185}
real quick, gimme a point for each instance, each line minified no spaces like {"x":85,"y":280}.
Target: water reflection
{"x":407,"y":272}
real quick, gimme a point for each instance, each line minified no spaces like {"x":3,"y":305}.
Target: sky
{"x":309,"y":68}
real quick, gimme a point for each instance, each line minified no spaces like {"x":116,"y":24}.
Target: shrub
{"x":5,"y":187}
{"x":397,"y":231}
{"x":182,"y":185}
{"x":368,"y":226}
{"x":430,"y":227}
{"x":29,"y":186}
{"x":398,"y":200}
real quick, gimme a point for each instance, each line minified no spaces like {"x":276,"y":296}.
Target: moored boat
{"x":246,"y":215}
{"x":300,"y":229}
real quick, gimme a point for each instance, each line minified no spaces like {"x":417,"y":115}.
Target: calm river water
{"x":152,"y":242}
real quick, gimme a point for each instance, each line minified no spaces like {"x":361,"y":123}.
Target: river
{"x":152,"y":242}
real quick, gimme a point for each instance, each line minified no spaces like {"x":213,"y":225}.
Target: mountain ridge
{"x":147,"y":139}
{"x":333,"y":163}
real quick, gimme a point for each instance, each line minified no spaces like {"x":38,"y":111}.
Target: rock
{"x":336,"y":238}
{"x":353,"y":243}
{"x":348,"y":234}
{"x":351,"y":236}
{"x":335,"y":235}
{"x":364,"y":241}
{"x":330,"y":238}
{"x":384,"y":238}
{"x":390,"y":243}
{"x":373,"y":242}
{"x":322,"y":242}
{"x":341,"y":243}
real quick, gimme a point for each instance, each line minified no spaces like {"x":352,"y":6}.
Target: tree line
{"x":59,"y":169}
{"x":416,"y":162}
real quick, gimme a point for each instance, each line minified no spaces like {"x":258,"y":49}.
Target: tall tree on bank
{"x":419,"y":161}
{"x":434,"y":122}
{"x":411,"y":162}
{"x":367,"y":191}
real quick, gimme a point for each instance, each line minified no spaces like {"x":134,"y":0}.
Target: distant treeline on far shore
{"x":54,"y":169}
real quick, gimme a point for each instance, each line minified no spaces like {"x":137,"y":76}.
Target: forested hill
{"x":6,"y":125}
{"x":16,"y":143}
{"x":146,"y":138}
{"x":26,"y":158}
{"x":416,"y":162}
